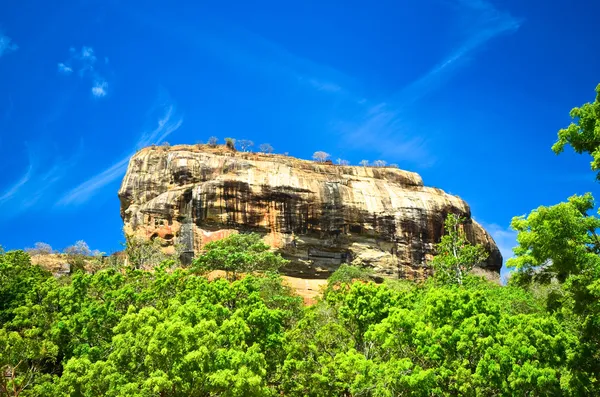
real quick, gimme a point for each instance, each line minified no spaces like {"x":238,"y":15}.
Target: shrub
{"x":230,"y":143}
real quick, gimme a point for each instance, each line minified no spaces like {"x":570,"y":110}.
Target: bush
{"x":238,"y":253}
{"x":230,"y":143}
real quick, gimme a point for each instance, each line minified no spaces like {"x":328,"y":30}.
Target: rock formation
{"x":318,"y":215}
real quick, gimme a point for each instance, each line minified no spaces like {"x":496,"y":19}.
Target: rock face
{"x":318,"y":215}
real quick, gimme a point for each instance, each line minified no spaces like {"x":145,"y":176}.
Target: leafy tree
{"x":320,"y":156}
{"x":238,"y":253}
{"x":266,"y":148}
{"x":21,"y":360}
{"x":146,"y":254}
{"x":583,"y":134}
{"x":17,"y":278}
{"x":455,"y":255}
{"x":558,"y":241}
{"x":559,"y":245}
{"x":347,"y":274}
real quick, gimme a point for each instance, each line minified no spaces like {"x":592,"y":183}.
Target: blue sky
{"x":469,"y":93}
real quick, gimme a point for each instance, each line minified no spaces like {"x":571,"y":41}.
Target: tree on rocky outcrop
{"x":147,"y":254}
{"x":347,"y":274}
{"x":342,"y":162}
{"x":230,"y":143}
{"x":76,"y":255}
{"x":212,"y":141}
{"x":456,"y":256}
{"x":245,"y":144}
{"x":265,"y":148}
{"x":583,"y":134}
{"x":364,"y":163}
{"x":379,"y":163}
{"x":40,"y":248}
{"x":238,"y":253}
{"x":321,"y":156}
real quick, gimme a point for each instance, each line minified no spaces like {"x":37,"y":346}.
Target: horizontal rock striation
{"x":318,"y":215}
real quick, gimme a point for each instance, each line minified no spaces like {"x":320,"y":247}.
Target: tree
{"x":230,"y":143}
{"x":21,"y":361}
{"x":558,"y":241}
{"x":364,"y":163}
{"x":245,"y":144}
{"x":343,"y":162}
{"x":559,"y":248}
{"x":347,"y":274}
{"x":76,"y":256}
{"x":379,"y":163}
{"x":238,"y":253}
{"x":266,"y":148}
{"x":212,"y":141}
{"x":455,"y":255}
{"x":320,"y":156}
{"x":147,"y":254}
{"x":583,"y":134}
{"x":40,"y":249}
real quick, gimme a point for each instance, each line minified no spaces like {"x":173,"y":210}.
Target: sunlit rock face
{"x":318,"y":215}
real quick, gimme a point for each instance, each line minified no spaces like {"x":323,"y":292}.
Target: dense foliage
{"x":172,"y":332}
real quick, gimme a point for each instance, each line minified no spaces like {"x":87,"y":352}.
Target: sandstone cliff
{"x":318,"y":215}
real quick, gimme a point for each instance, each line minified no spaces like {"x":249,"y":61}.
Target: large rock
{"x":318,"y":215}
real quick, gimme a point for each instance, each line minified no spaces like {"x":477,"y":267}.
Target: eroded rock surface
{"x":318,"y":215}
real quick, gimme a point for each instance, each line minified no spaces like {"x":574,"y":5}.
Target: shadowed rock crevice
{"x":317,"y":215}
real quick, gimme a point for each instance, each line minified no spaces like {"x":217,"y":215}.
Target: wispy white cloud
{"x":361,"y":120}
{"x":37,"y":181}
{"x":325,"y":86}
{"x":167,"y":124}
{"x":386,"y":118}
{"x":63,"y":68}
{"x":7,"y":45}
{"x":99,"y":88}
{"x":14,"y":189}
{"x":84,"y":60}
{"x":87,"y":53}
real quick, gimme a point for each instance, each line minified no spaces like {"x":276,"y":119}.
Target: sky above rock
{"x":468,"y":93}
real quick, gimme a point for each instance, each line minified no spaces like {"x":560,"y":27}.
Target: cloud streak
{"x":14,"y":189}
{"x":361,"y":121}
{"x":167,"y":124}
{"x":36,"y":182}
{"x":386,"y":118}
{"x":7,"y":45}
